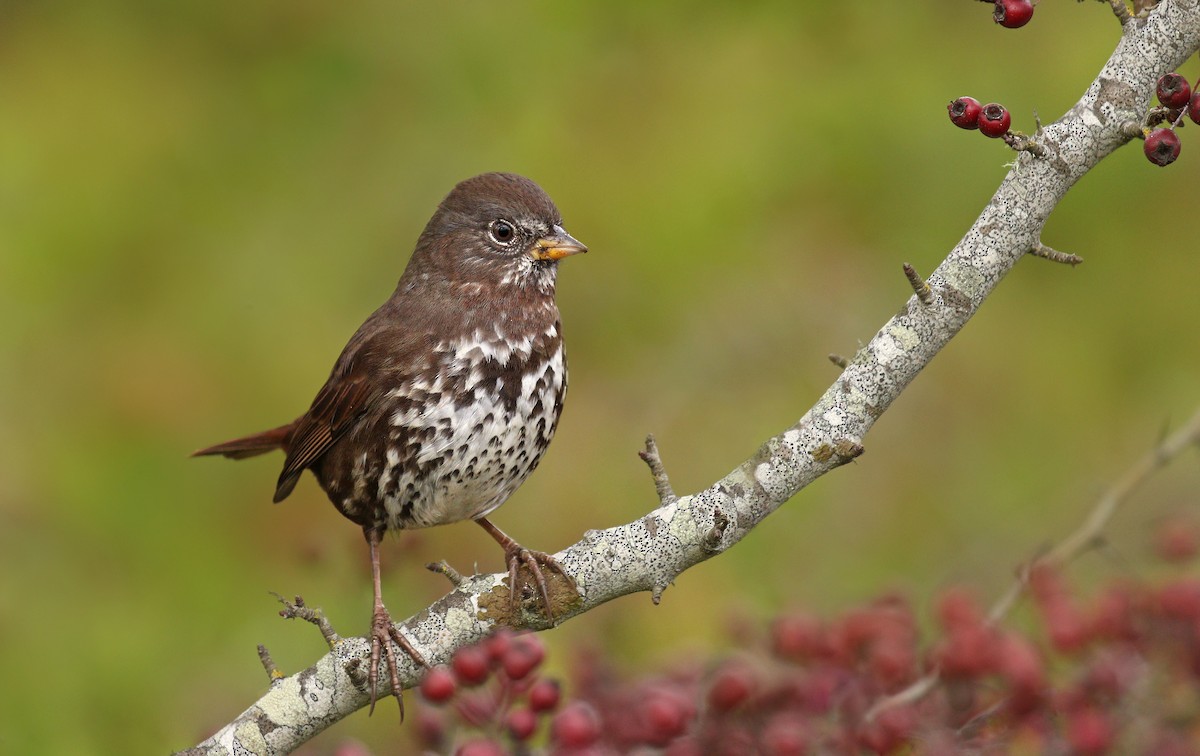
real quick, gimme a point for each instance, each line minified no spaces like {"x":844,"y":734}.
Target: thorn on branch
{"x":1053,"y":255}
{"x":656,"y":592}
{"x":712,"y":541}
{"x":298,"y":610}
{"x":444,"y":569}
{"x":919,"y":286}
{"x":838,"y":360}
{"x":268,"y":663}
{"x":662,"y":484}
{"x":1021,"y":143}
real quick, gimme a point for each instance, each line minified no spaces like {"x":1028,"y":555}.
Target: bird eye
{"x":502,"y":231}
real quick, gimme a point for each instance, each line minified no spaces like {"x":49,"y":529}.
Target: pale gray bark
{"x":646,"y":555}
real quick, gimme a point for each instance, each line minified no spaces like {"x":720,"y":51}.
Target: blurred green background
{"x":199,"y":203}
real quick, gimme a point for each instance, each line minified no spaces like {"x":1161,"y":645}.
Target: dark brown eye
{"x":502,"y":231}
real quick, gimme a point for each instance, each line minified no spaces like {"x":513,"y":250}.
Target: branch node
{"x":1021,"y":143}
{"x":355,"y":672}
{"x":1053,"y":255}
{"x":1132,"y":130}
{"x":847,"y":450}
{"x":838,"y":360}
{"x":662,"y":484}
{"x":297,"y":610}
{"x":712,"y":541}
{"x":268,"y":663}
{"x":919,"y":285}
{"x":444,"y":569}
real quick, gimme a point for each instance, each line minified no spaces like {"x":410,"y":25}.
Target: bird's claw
{"x":517,"y":556}
{"x":383,"y":633}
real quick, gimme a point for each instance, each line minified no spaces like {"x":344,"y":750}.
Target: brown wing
{"x":339,"y":405}
{"x":352,"y":390}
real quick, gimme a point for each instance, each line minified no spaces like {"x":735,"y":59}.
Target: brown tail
{"x":250,"y":446}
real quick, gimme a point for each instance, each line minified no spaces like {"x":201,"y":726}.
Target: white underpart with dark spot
{"x":479,"y":453}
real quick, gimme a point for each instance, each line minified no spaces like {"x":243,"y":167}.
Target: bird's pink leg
{"x":384,"y":631}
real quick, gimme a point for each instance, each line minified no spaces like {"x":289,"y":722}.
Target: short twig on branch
{"x":444,"y":569}
{"x":1022,"y":143}
{"x":919,"y":285}
{"x":838,"y":360}
{"x":662,"y":484}
{"x":298,"y":610}
{"x":1053,"y":255}
{"x":268,"y":663}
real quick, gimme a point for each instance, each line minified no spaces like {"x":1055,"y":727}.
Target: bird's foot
{"x":383,"y":633}
{"x":517,"y":556}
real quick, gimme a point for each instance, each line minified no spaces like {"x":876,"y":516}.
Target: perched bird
{"x":445,"y":399}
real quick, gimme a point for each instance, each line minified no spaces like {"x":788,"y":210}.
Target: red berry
{"x":480,"y":747}
{"x":964,"y":112}
{"x":1066,"y":627}
{"x":470,"y":665}
{"x":1180,"y":600}
{"x":1173,"y":91}
{"x":522,"y":656}
{"x":967,"y":652}
{"x":797,"y":637}
{"x":521,"y":723}
{"x":431,"y":727}
{"x":994,"y":120}
{"x":1175,"y":540}
{"x":544,"y":695}
{"x":1162,"y":146}
{"x":1012,"y":14}
{"x":576,"y":726}
{"x":1089,"y":731}
{"x":438,"y":685}
{"x":688,"y":746}
{"x":784,"y":735}
{"x":1193,"y":109}
{"x":732,"y":685}
{"x":957,"y":608}
{"x":498,"y":642}
{"x":666,"y":715}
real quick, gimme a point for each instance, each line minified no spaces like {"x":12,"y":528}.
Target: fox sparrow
{"x":444,"y":400}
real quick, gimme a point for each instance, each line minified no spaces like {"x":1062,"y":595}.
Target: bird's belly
{"x":471,"y":455}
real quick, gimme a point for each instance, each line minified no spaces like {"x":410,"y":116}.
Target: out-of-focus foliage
{"x":200,"y":201}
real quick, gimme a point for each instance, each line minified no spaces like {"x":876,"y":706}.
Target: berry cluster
{"x":992,"y":119}
{"x":490,"y":695}
{"x":1176,"y":98}
{"x":1117,"y":673}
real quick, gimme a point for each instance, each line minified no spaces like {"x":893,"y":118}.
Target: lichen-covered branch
{"x":649,"y":553}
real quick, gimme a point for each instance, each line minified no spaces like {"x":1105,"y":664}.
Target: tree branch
{"x":649,"y":553}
